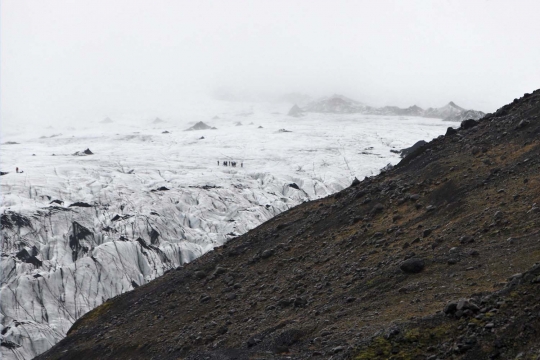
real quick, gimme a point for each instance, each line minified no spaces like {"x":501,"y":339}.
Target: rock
{"x":222,"y":330}
{"x":205,"y":298}
{"x":468,"y":124}
{"x":523,"y":123}
{"x":300,"y":301}
{"x":426,"y":233}
{"x":83,"y":153}
{"x":267,"y":253}
{"x":450,"y":131}
{"x":466,"y":239}
{"x":450,"y":308}
{"x":285,"y":302}
{"x":161,"y":188}
{"x":80,"y":204}
{"x":294,"y":186}
{"x":355,"y":182}
{"x":377,"y":208}
{"x":25,"y":256}
{"x":253,"y":341}
{"x":410,"y":150}
{"x":200,"y":274}
{"x":412,"y":266}
{"x":220,"y":270}
{"x":462,"y":304}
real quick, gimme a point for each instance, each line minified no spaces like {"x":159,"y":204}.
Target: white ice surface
{"x":321,"y":154}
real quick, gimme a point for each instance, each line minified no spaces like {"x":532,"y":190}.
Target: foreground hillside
{"x":433,"y":259}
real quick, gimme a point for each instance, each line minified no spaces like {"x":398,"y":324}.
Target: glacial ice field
{"x":79,"y":229}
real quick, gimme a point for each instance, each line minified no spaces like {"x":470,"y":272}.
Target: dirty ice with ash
{"x":78,"y":228}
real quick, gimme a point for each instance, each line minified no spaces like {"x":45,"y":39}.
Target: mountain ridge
{"x":343,"y":105}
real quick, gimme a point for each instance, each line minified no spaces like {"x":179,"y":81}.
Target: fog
{"x":82,"y":60}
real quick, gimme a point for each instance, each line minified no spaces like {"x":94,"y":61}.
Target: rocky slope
{"x":340,"y":104}
{"x":434,"y":259}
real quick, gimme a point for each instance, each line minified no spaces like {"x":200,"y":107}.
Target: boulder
{"x":468,"y":124}
{"x":412,"y":266}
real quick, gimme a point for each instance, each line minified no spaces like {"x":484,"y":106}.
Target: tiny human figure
{"x":241,"y":164}
{"x":218,"y":162}
{"x":17,"y":170}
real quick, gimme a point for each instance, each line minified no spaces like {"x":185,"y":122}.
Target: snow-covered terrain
{"x":79,"y":229}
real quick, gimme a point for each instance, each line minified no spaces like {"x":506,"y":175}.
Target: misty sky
{"x":80,"y":59}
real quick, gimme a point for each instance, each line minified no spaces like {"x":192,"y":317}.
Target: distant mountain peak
{"x":454,"y":105}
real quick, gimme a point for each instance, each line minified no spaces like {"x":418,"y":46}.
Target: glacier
{"x":80,"y":229}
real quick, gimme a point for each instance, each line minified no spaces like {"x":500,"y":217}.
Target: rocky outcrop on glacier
{"x":295,"y":111}
{"x":200,"y":126}
{"x":83,"y":153}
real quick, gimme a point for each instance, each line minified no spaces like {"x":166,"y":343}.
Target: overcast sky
{"x":83,"y":58}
